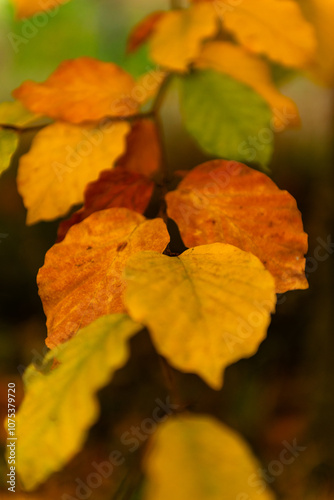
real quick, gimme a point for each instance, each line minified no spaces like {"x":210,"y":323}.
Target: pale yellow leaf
{"x":196,"y":457}
{"x":205,"y":309}
{"x":63,"y":159}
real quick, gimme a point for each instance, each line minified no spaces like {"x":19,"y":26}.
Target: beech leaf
{"x":222,"y":201}
{"x":82,"y":280}
{"x":247,"y":68}
{"x":114,"y":188}
{"x":224,"y":115}
{"x":9,"y":141}
{"x":15,"y":114}
{"x":215,"y":461}
{"x":143,"y":153}
{"x":276,"y":29}
{"x":177,"y":36}
{"x":63,"y":158}
{"x":60,"y":406}
{"x":205,"y":309}
{"x":143,"y":30}
{"x":82,"y":89}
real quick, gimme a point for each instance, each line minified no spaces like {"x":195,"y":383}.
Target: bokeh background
{"x":285,"y":392}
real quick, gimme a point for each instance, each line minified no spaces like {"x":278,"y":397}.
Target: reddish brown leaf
{"x":143,"y":30}
{"x":226,"y":201}
{"x":114,"y":188}
{"x":82,"y":278}
{"x":143,"y":154}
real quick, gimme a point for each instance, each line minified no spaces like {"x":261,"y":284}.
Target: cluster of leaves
{"x":113,"y":272}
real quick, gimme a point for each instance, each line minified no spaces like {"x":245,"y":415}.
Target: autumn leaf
{"x":275,"y":29}
{"x":232,"y":203}
{"x":27,"y":8}
{"x":52,"y":429}
{"x":197,"y":457}
{"x":205,"y":309}
{"x":224,"y":115}
{"x":114,"y":188}
{"x":63,"y":158}
{"x":321,"y":14}
{"x":143,"y":153}
{"x":83,"y":89}
{"x":9,"y":141}
{"x":143,"y":30}
{"x":81,"y":279}
{"x":13,"y":113}
{"x":177,"y":36}
{"x":235,"y":61}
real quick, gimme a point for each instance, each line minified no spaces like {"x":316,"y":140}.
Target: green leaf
{"x":9,"y":141}
{"x":227,"y":118}
{"x":195,"y":457}
{"x":60,"y":404}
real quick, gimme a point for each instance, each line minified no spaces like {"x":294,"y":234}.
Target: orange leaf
{"x":143,"y":154}
{"x":82,"y":89}
{"x":143,"y":30}
{"x":226,"y":201}
{"x":177,"y":38}
{"x":245,"y":67}
{"x":114,"y":188}
{"x":81,"y":279}
{"x":27,"y":8}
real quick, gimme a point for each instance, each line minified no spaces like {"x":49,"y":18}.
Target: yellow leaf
{"x":13,"y":113}
{"x":27,"y":8}
{"x":63,"y":158}
{"x":82,"y":89}
{"x":235,"y":61}
{"x":177,"y":38}
{"x":195,"y":457}
{"x":205,"y":309}
{"x":226,"y":201}
{"x":82,"y":280}
{"x":9,"y":140}
{"x":274,"y":28}
{"x":60,"y":405}
{"x":143,"y":30}
{"x":321,"y":14}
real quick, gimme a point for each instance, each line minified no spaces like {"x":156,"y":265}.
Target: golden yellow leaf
{"x":82,"y":89}
{"x":229,"y":202}
{"x":321,"y":14}
{"x":63,"y":158}
{"x":196,"y":457}
{"x":177,"y":38}
{"x":27,"y":8}
{"x":81,"y":279}
{"x":205,"y":309}
{"x":143,"y":153}
{"x":13,"y":113}
{"x":249,"y":69}
{"x":274,"y":28}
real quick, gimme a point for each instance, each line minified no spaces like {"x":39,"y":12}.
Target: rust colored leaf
{"x":143,"y":30}
{"x":82,"y":89}
{"x":82,"y":280}
{"x":142,"y":154}
{"x":114,"y":188}
{"x":226,"y":201}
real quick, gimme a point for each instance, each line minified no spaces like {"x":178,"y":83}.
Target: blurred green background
{"x":285,"y":392}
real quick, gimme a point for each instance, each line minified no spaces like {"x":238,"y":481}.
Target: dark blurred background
{"x":285,"y":392}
